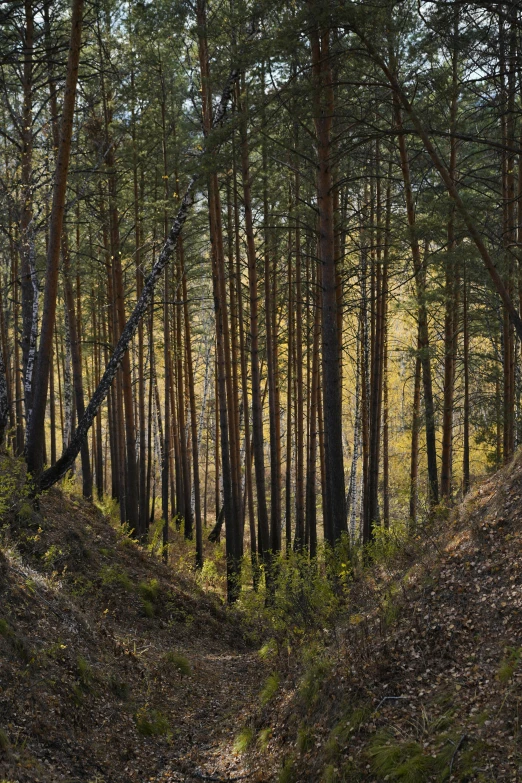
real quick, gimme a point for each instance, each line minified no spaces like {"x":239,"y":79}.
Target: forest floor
{"x":115,"y":667}
{"x":112,"y":667}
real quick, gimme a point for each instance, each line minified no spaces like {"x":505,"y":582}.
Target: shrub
{"x":152,"y":723}
{"x":112,"y":575}
{"x":150,"y":590}
{"x":179,"y":663}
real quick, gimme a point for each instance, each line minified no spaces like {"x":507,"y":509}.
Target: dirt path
{"x":224,"y":689}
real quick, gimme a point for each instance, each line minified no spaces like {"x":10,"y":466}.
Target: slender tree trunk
{"x":299,"y":429}
{"x":415,"y":425}
{"x":420,"y":285}
{"x":335,"y":519}
{"x":35,"y":431}
{"x":229,"y":449}
{"x":311,"y":469}
{"x":451,"y":295}
{"x":165,"y":453}
{"x":257,"y":406}
{"x":465,"y":324}
{"x":193,"y":420}
{"x":27,"y":239}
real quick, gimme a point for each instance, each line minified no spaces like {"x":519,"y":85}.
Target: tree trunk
{"x":335,"y":519}
{"x":35,"y":430}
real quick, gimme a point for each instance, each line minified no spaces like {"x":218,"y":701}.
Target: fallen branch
{"x":215,"y":779}
{"x":459,"y":745}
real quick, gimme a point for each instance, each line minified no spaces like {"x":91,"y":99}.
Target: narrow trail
{"x":224,"y":689}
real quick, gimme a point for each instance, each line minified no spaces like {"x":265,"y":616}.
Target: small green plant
{"x":77,"y":694}
{"x":287,"y":773}
{"x":150,"y":590}
{"x":55,"y":651}
{"x":119,"y":688}
{"x":148,"y":608}
{"x":112,"y":575}
{"x":406,"y":760}
{"x":355,"y":719}
{"x":270,"y":688}
{"x":388,"y":542}
{"x":25,"y":512}
{"x":4,"y":742}
{"x":81,"y":586}
{"x":509,"y":664}
{"x":330,"y":774}
{"x":53,"y":555}
{"x":313,"y":680}
{"x":4,"y":628}
{"x":263,"y":738}
{"x":178,"y":662}
{"x":243,"y":740}
{"x":269,"y":650}
{"x":11,"y":472}
{"x":305,"y":738}
{"x":85,"y":675}
{"x":338,"y":738}
{"x":209,"y":577}
{"x":151,"y":723}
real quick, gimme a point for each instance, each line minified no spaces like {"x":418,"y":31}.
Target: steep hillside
{"x":111,"y":666}
{"x":115,"y":668}
{"x":423,"y":682}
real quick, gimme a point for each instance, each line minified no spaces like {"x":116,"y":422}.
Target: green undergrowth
{"x":299,"y":626}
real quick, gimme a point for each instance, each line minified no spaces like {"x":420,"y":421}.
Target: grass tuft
{"x":509,"y":665}
{"x":179,"y":663}
{"x":288,"y":772}
{"x":270,"y":689}
{"x":243,"y":740}
{"x":4,"y":742}
{"x":305,"y":739}
{"x":85,"y":674}
{"x":263,"y":738}
{"x":151,"y":724}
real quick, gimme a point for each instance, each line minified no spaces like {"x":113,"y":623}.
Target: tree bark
{"x":335,"y":516}
{"x":36,"y":432}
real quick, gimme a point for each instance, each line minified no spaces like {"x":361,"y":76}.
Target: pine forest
{"x":260,"y":390}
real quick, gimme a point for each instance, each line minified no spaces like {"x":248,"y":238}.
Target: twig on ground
{"x":217,"y":779}
{"x":459,"y":745}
